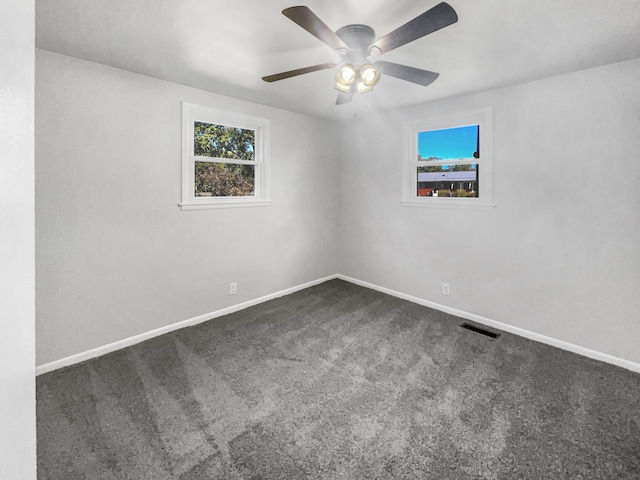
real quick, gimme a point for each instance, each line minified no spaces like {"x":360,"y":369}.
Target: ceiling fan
{"x":355,"y":43}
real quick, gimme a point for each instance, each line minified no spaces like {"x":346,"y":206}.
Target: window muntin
{"x":448,"y":160}
{"x":225,"y":159}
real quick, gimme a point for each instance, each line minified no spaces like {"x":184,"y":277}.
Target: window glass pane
{"x":220,"y":141}
{"x":449,"y":143}
{"x":214,"y":179}
{"x":448,"y":181}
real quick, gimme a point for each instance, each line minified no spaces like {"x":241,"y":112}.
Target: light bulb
{"x":345,"y":78}
{"x":347,"y":75}
{"x":369,"y":77}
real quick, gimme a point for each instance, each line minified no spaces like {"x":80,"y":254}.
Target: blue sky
{"x":459,"y":142}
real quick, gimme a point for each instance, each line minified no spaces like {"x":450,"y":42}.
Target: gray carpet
{"x":338,"y":382}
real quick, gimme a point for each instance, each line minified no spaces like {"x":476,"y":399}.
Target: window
{"x":448,"y":161}
{"x":224,"y":159}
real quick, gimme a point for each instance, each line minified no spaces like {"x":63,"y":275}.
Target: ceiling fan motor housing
{"x":358,"y":38}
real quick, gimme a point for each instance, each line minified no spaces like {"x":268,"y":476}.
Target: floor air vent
{"x":482,"y":331}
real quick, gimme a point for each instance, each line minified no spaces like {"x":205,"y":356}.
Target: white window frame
{"x":483,"y":118}
{"x":192,"y":113}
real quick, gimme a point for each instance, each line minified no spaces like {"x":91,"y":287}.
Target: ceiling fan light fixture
{"x":368,"y":77}
{"x":362,"y":88}
{"x":345,"y":78}
{"x":369,"y":74}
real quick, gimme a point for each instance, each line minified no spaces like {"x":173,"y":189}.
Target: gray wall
{"x":116,"y":256}
{"x":559,"y":255}
{"x":17,"y":262}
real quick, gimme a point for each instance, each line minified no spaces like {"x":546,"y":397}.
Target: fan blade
{"x":344,"y":98}
{"x":404,"y":72}
{"x":440,"y":16}
{"x":299,"y":71}
{"x":308,"y":20}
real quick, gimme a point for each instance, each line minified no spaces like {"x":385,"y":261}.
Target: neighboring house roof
{"x":468,"y":176}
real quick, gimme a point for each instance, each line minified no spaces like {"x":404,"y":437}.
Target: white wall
{"x":17,"y":315}
{"x":559,"y":255}
{"x":116,"y":256}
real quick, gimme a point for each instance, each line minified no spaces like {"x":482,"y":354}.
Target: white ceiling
{"x":226,"y":47}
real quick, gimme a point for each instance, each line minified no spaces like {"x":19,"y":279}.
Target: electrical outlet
{"x":445,"y":289}
{"x":233,"y":288}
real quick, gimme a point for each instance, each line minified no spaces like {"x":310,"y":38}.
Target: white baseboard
{"x":127,"y":342}
{"x":586,"y":352}
{"x":112,"y":347}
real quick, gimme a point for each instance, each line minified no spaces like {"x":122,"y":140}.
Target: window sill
{"x":456,"y":206}
{"x":208,"y":206}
